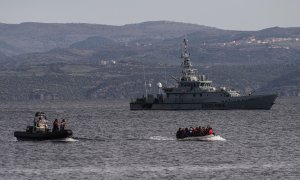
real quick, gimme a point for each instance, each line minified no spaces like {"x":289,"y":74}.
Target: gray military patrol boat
{"x":195,"y":92}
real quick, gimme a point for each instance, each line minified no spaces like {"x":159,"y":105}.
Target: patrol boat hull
{"x":263,"y":102}
{"x":39,"y":136}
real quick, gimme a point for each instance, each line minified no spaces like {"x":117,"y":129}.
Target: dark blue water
{"x":111,"y":142}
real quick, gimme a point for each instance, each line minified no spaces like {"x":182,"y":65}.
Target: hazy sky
{"x":226,"y":14}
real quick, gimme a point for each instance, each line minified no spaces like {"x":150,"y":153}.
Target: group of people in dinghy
{"x":194,"y":132}
{"x":41,"y":124}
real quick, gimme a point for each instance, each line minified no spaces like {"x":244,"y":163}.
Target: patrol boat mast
{"x":189,"y":76}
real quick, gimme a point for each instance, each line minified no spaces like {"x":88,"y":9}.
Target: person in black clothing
{"x":178,"y":134}
{"x":200,"y":132}
{"x":62,"y":125}
{"x":55,"y":126}
{"x":187,"y":132}
{"x":204,"y":131}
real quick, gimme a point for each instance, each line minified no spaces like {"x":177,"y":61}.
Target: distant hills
{"x":83,"y":61}
{"x":41,"y":37}
{"x":153,"y":41}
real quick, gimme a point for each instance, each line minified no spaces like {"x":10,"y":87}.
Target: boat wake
{"x":65,"y":140}
{"x":216,"y":138}
{"x":88,"y":139}
{"x":161,"y":138}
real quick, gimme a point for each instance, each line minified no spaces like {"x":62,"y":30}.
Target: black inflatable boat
{"x":32,"y":135}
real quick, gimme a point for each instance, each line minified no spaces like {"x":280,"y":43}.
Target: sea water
{"x":112,"y":142}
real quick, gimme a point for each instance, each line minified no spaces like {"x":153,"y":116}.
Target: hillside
{"x":285,"y":85}
{"x":40,"y":37}
{"x":87,"y":61}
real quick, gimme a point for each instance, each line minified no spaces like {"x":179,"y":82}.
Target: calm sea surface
{"x":112,"y":142}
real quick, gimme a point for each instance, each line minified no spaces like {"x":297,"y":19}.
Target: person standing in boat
{"x":42,"y":125}
{"x":55,"y":126}
{"x":36,"y":118}
{"x":63,"y":125}
{"x":35,"y":122}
